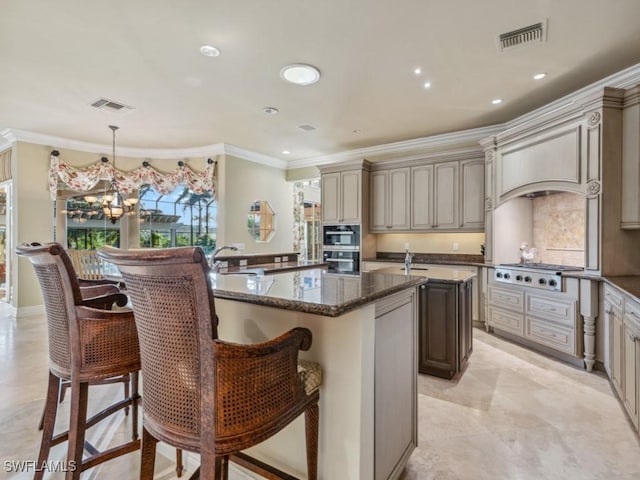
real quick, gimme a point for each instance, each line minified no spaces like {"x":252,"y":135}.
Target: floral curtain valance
{"x":86,"y":178}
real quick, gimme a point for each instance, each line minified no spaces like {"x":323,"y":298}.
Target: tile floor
{"x":513,"y":415}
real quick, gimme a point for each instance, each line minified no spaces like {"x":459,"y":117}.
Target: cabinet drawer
{"x":613,"y":296}
{"x":552,"y":335}
{"x":505,"y":320}
{"x":501,"y":297}
{"x":562,"y":311}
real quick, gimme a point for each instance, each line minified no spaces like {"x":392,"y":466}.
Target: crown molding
{"x":254,"y":156}
{"x":11,"y":136}
{"x":624,"y":79}
{"x":407,"y":146}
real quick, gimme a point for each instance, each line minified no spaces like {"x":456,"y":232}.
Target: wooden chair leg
{"x":59,"y":394}
{"x":311,"y":420}
{"x":127,"y":380}
{"x":48,"y":422}
{"x":179,"y":466}
{"x":77,"y":427}
{"x":222,"y":468}
{"x":134,"y":403}
{"x":148,"y":455}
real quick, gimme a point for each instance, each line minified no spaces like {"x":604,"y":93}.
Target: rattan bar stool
{"x":86,"y":345}
{"x":202,"y":394}
{"x":103,"y":296}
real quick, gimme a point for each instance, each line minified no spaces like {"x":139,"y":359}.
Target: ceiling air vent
{"x":105,"y":103}
{"x":306,"y":127}
{"x":536,"y":33}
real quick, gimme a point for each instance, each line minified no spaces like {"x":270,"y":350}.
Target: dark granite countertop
{"x":429,"y":258}
{"x":311,"y":290}
{"x":275,"y":267}
{"x":440,"y":274}
{"x":630,"y":284}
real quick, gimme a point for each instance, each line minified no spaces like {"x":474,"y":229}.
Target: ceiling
{"x":59,"y":57}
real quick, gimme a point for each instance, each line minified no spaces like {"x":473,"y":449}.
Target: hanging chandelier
{"x":113,"y":204}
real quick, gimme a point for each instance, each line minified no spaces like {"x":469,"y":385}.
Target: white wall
{"x":240,"y":183}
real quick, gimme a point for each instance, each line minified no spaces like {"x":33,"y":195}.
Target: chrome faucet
{"x":215,"y":265}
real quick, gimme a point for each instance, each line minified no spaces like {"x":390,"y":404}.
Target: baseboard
{"x":22,"y":312}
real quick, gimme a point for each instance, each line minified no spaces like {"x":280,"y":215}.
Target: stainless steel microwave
{"x":341,"y":236}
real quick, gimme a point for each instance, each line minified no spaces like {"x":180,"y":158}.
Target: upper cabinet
{"x":390,"y":200}
{"x":425,"y":197}
{"x":343,"y":188}
{"x":472,"y":184}
{"x":446,"y":187}
{"x":630,"y":218}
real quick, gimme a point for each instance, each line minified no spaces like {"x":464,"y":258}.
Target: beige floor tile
{"x":512,"y":415}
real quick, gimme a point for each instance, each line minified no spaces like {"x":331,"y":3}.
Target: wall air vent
{"x":536,"y":33}
{"x":306,"y":127}
{"x":105,"y":103}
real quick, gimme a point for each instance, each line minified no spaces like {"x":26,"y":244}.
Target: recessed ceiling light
{"x":209,"y":51}
{"x":427,"y":85}
{"x":300,"y":74}
{"x":270,"y":110}
{"x":286,"y":152}
{"x":417,"y":71}
{"x":496,"y":101}
{"x":539,"y":76}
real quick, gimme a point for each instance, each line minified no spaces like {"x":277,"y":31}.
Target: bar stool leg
{"x":77,"y":426}
{"x":48,"y":422}
{"x":148,"y":455}
{"x":311,"y":420}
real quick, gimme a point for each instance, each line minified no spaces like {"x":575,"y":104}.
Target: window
{"x":181,"y":218}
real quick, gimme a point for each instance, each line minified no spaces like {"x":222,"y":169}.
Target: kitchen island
{"x":364,"y":337}
{"x":445,"y":333}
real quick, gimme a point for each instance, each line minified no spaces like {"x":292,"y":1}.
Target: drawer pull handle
{"x":608,"y":312}
{"x":633,"y":338}
{"x":634,"y":314}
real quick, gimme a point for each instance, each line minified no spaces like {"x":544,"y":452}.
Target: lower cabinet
{"x":622,"y":314}
{"x":445,"y":328}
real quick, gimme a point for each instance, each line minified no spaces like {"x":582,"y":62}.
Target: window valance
{"x":86,"y":178}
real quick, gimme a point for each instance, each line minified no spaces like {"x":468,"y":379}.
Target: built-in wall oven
{"x":341,"y":236}
{"x":341,"y":248}
{"x":342,"y":261}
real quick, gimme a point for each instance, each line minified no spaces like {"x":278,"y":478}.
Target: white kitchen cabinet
{"x":544,"y":318}
{"x":422,"y":197}
{"x":390,"y":200}
{"x":630,"y":190}
{"x":613,"y":317}
{"x":622,"y":314}
{"x":445,"y":185}
{"x":341,"y":196}
{"x":472,"y":194}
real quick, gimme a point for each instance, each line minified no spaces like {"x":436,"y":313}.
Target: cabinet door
{"x":379,"y":194}
{"x":466,"y":323}
{"x":616,"y":347}
{"x":438,"y":332}
{"x":350,"y":196}
{"x":398,"y":205}
{"x":472,"y":194}
{"x":422,"y":197}
{"x":630,"y":372}
{"x":446,"y":196}
{"x":330,"y":183}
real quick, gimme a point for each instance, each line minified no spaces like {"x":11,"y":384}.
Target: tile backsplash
{"x":559,"y":228}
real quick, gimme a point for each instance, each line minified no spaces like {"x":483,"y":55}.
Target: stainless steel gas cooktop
{"x":536,"y":275}
{"x":542,"y":266}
